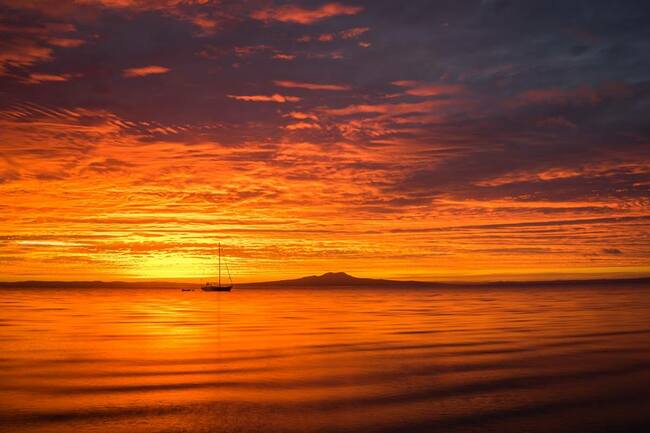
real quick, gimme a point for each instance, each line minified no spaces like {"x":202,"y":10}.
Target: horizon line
{"x":591,"y":278}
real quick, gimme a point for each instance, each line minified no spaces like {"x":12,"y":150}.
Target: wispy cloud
{"x":353,"y":32}
{"x":397,"y":108}
{"x":417,"y":88}
{"x":302,"y":125}
{"x":24,"y":46}
{"x":36,"y":78}
{"x":302,"y":116}
{"x":300,"y":15}
{"x":65,"y":42}
{"x":284,"y":56}
{"x":20,"y":53}
{"x":276,"y":97}
{"x":310,"y":86}
{"x":143,"y":71}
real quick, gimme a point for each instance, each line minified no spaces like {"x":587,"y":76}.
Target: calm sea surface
{"x":512,"y":360}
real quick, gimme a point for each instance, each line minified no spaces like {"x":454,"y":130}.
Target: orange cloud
{"x":22,"y":53}
{"x":24,"y":46}
{"x":65,"y":42}
{"x":302,"y":116}
{"x":276,"y":97}
{"x":310,"y":86}
{"x":282,"y":56}
{"x":353,"y":32}
{"x":297,"y":14}
{"x":133,"y":4}
{"x":144,"y":71}
{"x":250,"y":49}
{"x":180,"y":9}
{"x":343,"y":34}
{"x":36,"y":78}
{"x":302,"y":125}
{"x":204,"y":22}
{"x":401,"y":108}
{"x":417,"y":88}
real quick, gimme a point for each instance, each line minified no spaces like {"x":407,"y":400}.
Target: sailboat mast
{"x":219,"y":264}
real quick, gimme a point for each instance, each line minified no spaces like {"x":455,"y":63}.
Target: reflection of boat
{"x":187,"y":290}
{"x":217,"y":287}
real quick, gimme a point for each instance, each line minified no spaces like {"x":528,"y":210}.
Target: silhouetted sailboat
{"x":212,"y":287}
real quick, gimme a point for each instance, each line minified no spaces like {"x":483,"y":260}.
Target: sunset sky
{"x":430,"y":140}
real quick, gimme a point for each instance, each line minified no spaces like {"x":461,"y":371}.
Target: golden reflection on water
{"x":338,"y":360}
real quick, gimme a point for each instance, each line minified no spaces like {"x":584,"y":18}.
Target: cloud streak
{"x":300,"y":15}
{"x":276,"y":97}
{"x":37,"y":78}
{"x":143,"y":71}
{"x":310,"y":86}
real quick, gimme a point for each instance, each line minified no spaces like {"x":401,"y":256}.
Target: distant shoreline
{"x":328,"y":280}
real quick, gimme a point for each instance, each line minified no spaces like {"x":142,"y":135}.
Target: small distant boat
{"x":217,"y":287}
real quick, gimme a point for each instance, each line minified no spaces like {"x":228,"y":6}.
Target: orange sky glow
{"x":135,"y":136}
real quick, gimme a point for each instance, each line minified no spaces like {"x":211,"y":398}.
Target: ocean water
{"x":338,"y":360}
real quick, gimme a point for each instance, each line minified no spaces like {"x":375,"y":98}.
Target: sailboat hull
{"x":216,"y":288}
